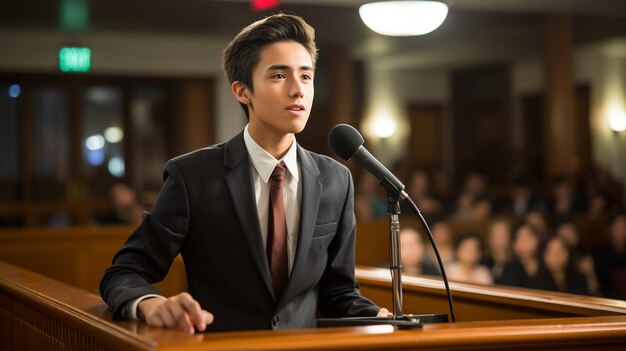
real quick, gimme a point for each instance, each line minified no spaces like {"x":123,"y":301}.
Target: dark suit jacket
{"x":206,"y":211}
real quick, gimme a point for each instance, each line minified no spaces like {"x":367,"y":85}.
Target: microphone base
{"x":409,"y":321}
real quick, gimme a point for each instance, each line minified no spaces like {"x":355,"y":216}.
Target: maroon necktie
{"x":277,"y":231}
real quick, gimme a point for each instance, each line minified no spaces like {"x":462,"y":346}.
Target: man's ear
{"x":241,"y":92}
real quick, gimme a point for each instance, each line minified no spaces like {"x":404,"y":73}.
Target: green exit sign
{"x":74,"y":59}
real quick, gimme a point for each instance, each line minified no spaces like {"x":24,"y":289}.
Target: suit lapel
{"x":240,"y":186}
{"x":311,"y":194}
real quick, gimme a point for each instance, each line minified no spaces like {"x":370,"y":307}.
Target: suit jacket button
{"x":275,"y":321}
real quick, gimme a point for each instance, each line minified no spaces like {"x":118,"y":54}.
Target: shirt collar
{"x":264,"y":163}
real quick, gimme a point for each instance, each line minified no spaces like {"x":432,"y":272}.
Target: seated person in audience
{"x":126,"y":208}
{"x":522,"y":200}
{"x":539,"y":221}
{"x":598,"y":206}
{"x":525,"y":263}
{"x":413,"y":259}
{"x":498,"y":247}
{"x":564,"y":202}
{"x":418,"y":189}
{"x":557,"y":271}
{"x":602,"y":183}
{"x":441,"y":186}
{"x":610,"y":260}
{"x":480,"y":210}
{"x":467,"y":267}
{"x":474,"y":189}
{"x":368,"y":203}
{"x":442,"y":235}
{"x":569,"y":233}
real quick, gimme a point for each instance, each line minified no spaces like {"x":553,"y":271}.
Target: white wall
{"x":129,"y":54}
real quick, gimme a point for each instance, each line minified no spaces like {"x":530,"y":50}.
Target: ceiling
{"x":474,"y":31}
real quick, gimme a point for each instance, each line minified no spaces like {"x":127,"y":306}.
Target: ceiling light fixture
{"x":403,"y":18}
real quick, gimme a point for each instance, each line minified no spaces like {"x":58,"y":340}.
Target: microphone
{"x":347,"y":142}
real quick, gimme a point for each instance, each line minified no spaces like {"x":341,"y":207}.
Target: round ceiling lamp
{"x":403,"y":18}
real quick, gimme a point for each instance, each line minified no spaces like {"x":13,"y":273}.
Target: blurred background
{"x":509,"y":108}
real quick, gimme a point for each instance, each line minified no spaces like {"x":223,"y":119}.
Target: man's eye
{"x":279,"y":76}
{"x":307,"y":77}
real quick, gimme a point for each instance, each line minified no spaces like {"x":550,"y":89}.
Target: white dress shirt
{"x":263,"y":164}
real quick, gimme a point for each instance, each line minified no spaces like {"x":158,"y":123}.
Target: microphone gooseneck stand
{"x":398,"y":319}
{"x":417,"y":213}
{"x":347,"y":142}
{"x":395,"y":263}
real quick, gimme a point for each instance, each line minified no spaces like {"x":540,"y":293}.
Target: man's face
{"x":283,"y":89}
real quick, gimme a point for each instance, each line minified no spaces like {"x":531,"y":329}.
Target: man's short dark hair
{"x":243,"y":53}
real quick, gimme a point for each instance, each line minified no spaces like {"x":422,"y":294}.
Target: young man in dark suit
{"x":266,"y":228}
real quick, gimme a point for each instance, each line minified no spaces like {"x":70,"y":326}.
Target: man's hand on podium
{"x":383,"y":313}
{"x":176,"y":312}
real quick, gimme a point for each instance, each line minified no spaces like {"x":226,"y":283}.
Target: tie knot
{"x":278,"y":174}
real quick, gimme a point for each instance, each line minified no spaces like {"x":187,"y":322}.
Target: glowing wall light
{"x":384,"y":127}
{"x":617,"y":121}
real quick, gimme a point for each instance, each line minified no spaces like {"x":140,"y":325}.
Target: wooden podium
{"x":40,"y":313}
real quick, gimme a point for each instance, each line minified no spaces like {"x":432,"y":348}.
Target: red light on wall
{"x":260,"y":5}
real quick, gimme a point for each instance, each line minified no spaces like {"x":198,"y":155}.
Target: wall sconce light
{"x":384,"y":127}
{"x":403,"y":18}
{"x":617,"y":121}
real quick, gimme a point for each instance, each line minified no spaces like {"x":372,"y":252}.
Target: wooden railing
{"x":483,"y":303}
{"x":38,"y":213}
{"x":75,"y":255}
{"x":39,"y":313}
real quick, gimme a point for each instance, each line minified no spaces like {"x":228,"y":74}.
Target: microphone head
{"x":344,"y":139}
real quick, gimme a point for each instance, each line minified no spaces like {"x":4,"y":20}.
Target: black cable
{"x":417,"y":212}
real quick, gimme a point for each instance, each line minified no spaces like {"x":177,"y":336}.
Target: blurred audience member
{"x":126,"y":208}
{"x":564,"y":202}
{"x":368,"y":204}
{"x":480,"y":210}
{"x":467,"y":267}
{"x":442,"y":234}
{"x":598,"y":206}
{"x":441,"y":184}
{"x":557,"y":271}
{"x":413,"y":260}
{"x":419,"y":190}
{"x":601,"y":183}
{"x":568,"y":232}
{"x":610,"y":260}
{"x":522,"y":200}
{"x":498,"y":247}
{"x":525,"y":263}
{"x":539,"y":221}
{"x":473,"y":202}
